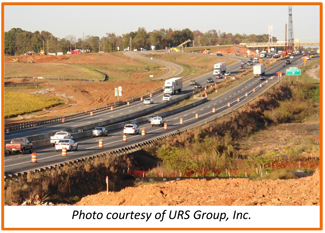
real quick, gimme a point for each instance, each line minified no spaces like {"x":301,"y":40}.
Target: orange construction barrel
{"x":34,"y":125}
{"x":64,"y":151}
{"x":181,"y":120}
{"x":228,"y":104}
{"x":246,"y":94}
{"x":7,"y":130}
{"x":91,"y":113}
{"x":63,"y":119}
{"x":196,"y":116}
{"x":143,"y":132}
{"x":124,"y":138}
{"x":213,"y":110}
{"x":34,"y":157}
{"x":165,"y":125}
{"x":238,"y":99}
{"x":100,"y":144}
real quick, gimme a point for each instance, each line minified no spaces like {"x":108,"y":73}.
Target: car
{"x":69,"y":144}
{"x":242,"y":67}
{"x":292,"y":57}
{"x":167,"y":97}
{"x":219,"y":76}
{"x":262,"y":78}
{"x":288,"y":62}
{"x":197,"y":86}
{"x":249,"y":63}
{"x":99,"y":131}
{"x":210,"y":80}
{"x":192,"y":82}
{"x":131,"y":129}
{"x":219,"y":54}
{"x":148,"y":101}
{"x":227,"y":73}
{"x":243,"y":63}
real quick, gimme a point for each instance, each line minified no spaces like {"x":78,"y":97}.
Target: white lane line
{"x":185,"y":114}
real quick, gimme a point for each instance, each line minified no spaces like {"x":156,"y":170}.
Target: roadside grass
{"x":193,"y":64}
{"x":17,"y":103}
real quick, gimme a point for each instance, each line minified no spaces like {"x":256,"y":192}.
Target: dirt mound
{"x":238,"y":192}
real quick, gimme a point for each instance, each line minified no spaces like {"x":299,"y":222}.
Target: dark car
{"x":210,"y":80}
{"x":288,"y":62}
{"x":262,"y":78}
{"x":197,"y":86}
{"x":219,"y":54}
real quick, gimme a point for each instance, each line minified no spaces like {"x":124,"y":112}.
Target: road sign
{"x":293,"y":68}
{"x":293,"y":71}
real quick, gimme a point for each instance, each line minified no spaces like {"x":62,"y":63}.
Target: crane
{"x":177,"y":49}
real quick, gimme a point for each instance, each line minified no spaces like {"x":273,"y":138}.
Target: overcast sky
{"x":80,"y":21}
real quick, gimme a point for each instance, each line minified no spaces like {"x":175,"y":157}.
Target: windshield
{"x":18,"y":140}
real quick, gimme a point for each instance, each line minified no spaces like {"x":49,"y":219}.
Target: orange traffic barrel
{"x":7,"y":130}
{"x":206,"y":95}
{"x":141,"y":99}
{"x":196,"y":116}
{"x":63,"y":119}
{"x":246,"y":94}
{"x":181,"y":120}
{"x":253,"y":89}
{"x":216,"y":91}
{"x":260,"y":84}
{"x":34,"y":125}
{"x":100,"y":143}
{"x":128,"y":103}
{"x":165,"y":125}
{"x":228,"y":104}
{"x":150,"y":95}
{"x":143,"y":132}
{"x":267,"y":81}
{"x":205,"y":88}
{"x":91,"y":113}
{"x":213,"y":110}
{"x":34,"y":157}
{"x":124,"y":138}
{"x":112,"y":108}
{"x":237,"y":99}
{"x":64,"y":151}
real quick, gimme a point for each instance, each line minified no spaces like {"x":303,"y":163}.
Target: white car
{"x":148,"y":101}
{"x":131,"y":129}
{"x":69,"y":144}
{"x":167,"y":97}
{"x":100,"y":131}
{"x":292,"y":57}
{"x":227,"y":74}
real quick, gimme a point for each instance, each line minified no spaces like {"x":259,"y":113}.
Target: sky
{"x":82,"y":21}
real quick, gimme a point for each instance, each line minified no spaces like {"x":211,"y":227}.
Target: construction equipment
{"x":15,"y":60}
{"x":42,"y":52}
{"x":177,"y":49}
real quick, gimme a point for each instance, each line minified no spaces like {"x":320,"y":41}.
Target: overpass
{"x":280,"y":44}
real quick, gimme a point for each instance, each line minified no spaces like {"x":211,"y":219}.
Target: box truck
{"x":258,"y":70}
{"x":219,"y":68}
{"x":173,"y":85}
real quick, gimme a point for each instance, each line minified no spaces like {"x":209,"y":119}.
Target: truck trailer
{"x":173,"y":85}
{"x":258,"y":70}
{"x":219,"y":68}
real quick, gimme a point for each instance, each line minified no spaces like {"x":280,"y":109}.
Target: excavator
{"x":177,"y":49}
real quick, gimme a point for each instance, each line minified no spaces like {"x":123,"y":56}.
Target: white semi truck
{"x":258,"y":70}
{"x":219,"y":68}
{"x":173,"y":85}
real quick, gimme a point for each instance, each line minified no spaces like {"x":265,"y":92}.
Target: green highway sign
{"x":293,"y":71}
{"x":293,"y":68}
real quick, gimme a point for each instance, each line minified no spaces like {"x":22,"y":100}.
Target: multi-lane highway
{"x":89,"y":146}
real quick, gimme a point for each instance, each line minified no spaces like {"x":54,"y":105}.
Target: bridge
{"x":280,"y":44}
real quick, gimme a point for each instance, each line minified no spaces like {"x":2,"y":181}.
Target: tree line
{"x":18,"y":41}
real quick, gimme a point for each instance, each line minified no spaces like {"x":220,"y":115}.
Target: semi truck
{"x":258,"y":70}
{"x":173,"y":85}
{"x":219,"y":68}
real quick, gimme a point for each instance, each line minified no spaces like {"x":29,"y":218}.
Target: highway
{"x":89,"y":146}
{"x":117,"y":111}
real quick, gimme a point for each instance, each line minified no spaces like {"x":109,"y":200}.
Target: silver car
{"x":99,"y":131}
{"x":148,"y":101}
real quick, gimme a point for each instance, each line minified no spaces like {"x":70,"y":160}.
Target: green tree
{"x":10,"y":41}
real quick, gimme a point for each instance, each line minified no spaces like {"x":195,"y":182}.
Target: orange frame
{"x":320,"y":4}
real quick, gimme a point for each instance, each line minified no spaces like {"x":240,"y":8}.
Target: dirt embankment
{"x":238,"y":192}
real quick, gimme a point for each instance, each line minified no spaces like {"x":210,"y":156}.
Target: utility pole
{"x":130,"y":43}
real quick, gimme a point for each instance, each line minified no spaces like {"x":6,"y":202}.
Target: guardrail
{"x":58,"y":119}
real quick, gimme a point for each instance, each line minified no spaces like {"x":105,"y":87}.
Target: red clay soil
{"x":237,"y":192}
